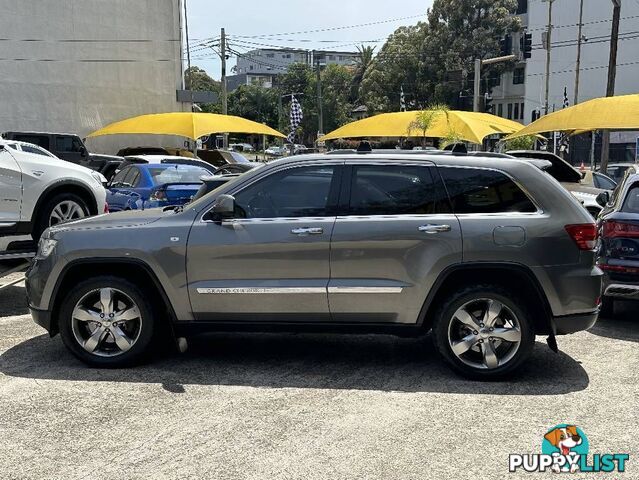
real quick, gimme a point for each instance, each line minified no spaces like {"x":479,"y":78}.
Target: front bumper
{"x":568,"y":324}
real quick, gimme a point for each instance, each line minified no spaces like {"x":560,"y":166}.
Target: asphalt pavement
{"x":292,"y":406}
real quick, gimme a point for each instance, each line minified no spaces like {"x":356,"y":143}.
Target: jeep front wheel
{"x":107,"y":322}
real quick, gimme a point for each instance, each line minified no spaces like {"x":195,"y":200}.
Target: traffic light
{"x":488,"y":103}
{"x":506,"y":45}
{"x":525,"y":44}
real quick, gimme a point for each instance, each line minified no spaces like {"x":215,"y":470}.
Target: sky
{"x":249,"y":22}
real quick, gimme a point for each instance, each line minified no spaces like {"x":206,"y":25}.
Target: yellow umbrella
{"x":470,"y":126}
{"x":186,"y":124}
{"x":609,"y":113}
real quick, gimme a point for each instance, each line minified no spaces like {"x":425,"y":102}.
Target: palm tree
{"x":424,"y":119}
{"x":363,"y":63}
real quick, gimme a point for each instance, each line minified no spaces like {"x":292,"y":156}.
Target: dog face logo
{"x":564,"y":438}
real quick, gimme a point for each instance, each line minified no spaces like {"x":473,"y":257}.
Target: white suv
{"x":37,"y":190}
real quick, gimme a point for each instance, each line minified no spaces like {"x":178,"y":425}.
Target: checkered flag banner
{"x":564,"y":142}
{"x":402,"y":101}
{"x":566,"y":101}
{"x":296,"y":117}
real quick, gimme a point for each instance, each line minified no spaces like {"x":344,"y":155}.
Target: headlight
{"x":101,"y":179}
{"x":46,"y":246}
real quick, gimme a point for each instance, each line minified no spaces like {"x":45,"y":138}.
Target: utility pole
{"x":579,"y":40}
{"x":225,"y":108}
{"x":320,"y":113}
{"x":548,"y":45}
{"x":476,"y":85}
{"x":612,"y":77}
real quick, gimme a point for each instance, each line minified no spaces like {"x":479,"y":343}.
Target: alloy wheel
{"x":66,"y":211}
{"x":484,"y":334}
{"x":106,"y":322}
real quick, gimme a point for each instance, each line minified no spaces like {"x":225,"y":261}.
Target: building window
{"x":251,"y":67}
{"x":494,"y":79}
{"x":500,"y":110}
{"x":521,"y":111}
{"x":516,"y":111}
{"x":510,"y":111}
{"x":519,"y":76}
{"x":522,"y":7}
{"x":270,"y":55}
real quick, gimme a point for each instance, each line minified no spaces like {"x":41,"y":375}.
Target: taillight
{"x":158,"y":196}
{"x":614,"y":229}
{"x":584,"y":235}
{"x":106,"y":207}
{"x":617,"y":268}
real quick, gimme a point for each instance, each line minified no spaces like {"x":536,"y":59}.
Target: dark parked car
{"x":69,"y":147}
{"x":227,"y":161}
{"x":619,"y":246}
{"x":393,"y":243}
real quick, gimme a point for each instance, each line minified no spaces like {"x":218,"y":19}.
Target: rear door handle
{"x":434,"y":228}
{"x":307,"y":231}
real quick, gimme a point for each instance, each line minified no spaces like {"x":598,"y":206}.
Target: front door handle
{"x":431,"y":229}
{"x":307,"y":231}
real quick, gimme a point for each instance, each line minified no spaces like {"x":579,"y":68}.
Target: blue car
{"x":142,"y":186}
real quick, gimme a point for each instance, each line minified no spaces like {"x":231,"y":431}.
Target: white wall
{"x":69,"y":93}
{"x":594,"y":56}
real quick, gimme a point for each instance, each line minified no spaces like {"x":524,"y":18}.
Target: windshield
{"x":177,"y":174}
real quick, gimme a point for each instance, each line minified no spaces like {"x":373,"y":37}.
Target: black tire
{"x":146,"y":332}
{"x":444,"y":317}
{"x":42,"y":217}
{"x":607,"y":308}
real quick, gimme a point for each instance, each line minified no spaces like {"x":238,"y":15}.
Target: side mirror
{"x":603,"y":199}
{"x":223,"y":209}
{"x":83,"y":151}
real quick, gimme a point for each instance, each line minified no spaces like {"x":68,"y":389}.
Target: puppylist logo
{"x":565,"y":449}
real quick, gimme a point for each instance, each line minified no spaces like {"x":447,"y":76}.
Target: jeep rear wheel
{"x":107,"y":322}
{"x":484,"y":332}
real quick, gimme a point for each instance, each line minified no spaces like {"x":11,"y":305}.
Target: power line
{"x":594,"y":22}
{"x":331,"y":29}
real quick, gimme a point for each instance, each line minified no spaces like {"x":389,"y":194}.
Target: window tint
{"x":395,"y":190}
{"x":631,"y":205}
{"x":177,"y":174}
{"x":484,"y":191}
{"x":40,"y":140}
{"x":297,"y":192}
{"x":67,"y":144}
{"x":119,"y":177}
{"x":604,"y":182}
{"x":36,"y":150}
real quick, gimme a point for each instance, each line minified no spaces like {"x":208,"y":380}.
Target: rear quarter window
{"x":474,"y":190}
{"x":631,"y":204}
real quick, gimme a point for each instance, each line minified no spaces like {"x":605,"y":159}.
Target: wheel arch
{"x":130,"y":269}
{"x":66,"y":186}
{"x":503,"y":274}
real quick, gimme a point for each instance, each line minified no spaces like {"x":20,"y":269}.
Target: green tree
{"x":400,"y":64}
{"x":336,"y":105}
{"x":363,"y":63}
{"x":424,"y":120}
{"x":254,"y":103}
{"x":197,"y":79}
{"x":463,"y":30}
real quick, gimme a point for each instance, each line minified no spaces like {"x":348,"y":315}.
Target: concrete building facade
{"x":76,"y":66}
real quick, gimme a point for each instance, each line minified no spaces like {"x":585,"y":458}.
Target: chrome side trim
{"x":288,"y":290}
{"x":365,"y":289}
{"x":260,"y":290}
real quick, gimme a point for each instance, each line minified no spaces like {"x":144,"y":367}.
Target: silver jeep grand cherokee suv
{"x":487,"y":253}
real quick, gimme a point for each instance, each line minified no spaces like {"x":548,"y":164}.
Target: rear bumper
{"x":575,"y":323}
{"x":43,"y":318}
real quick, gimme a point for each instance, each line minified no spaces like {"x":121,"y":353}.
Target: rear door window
{"x":474,"y":190}
{"x":396,"y":190}
{"x":631,"y":204}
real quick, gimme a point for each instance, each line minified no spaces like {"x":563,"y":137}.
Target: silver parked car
{"x":487,"y":253}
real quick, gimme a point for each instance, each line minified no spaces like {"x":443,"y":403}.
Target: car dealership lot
{"x":303,"y":406}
